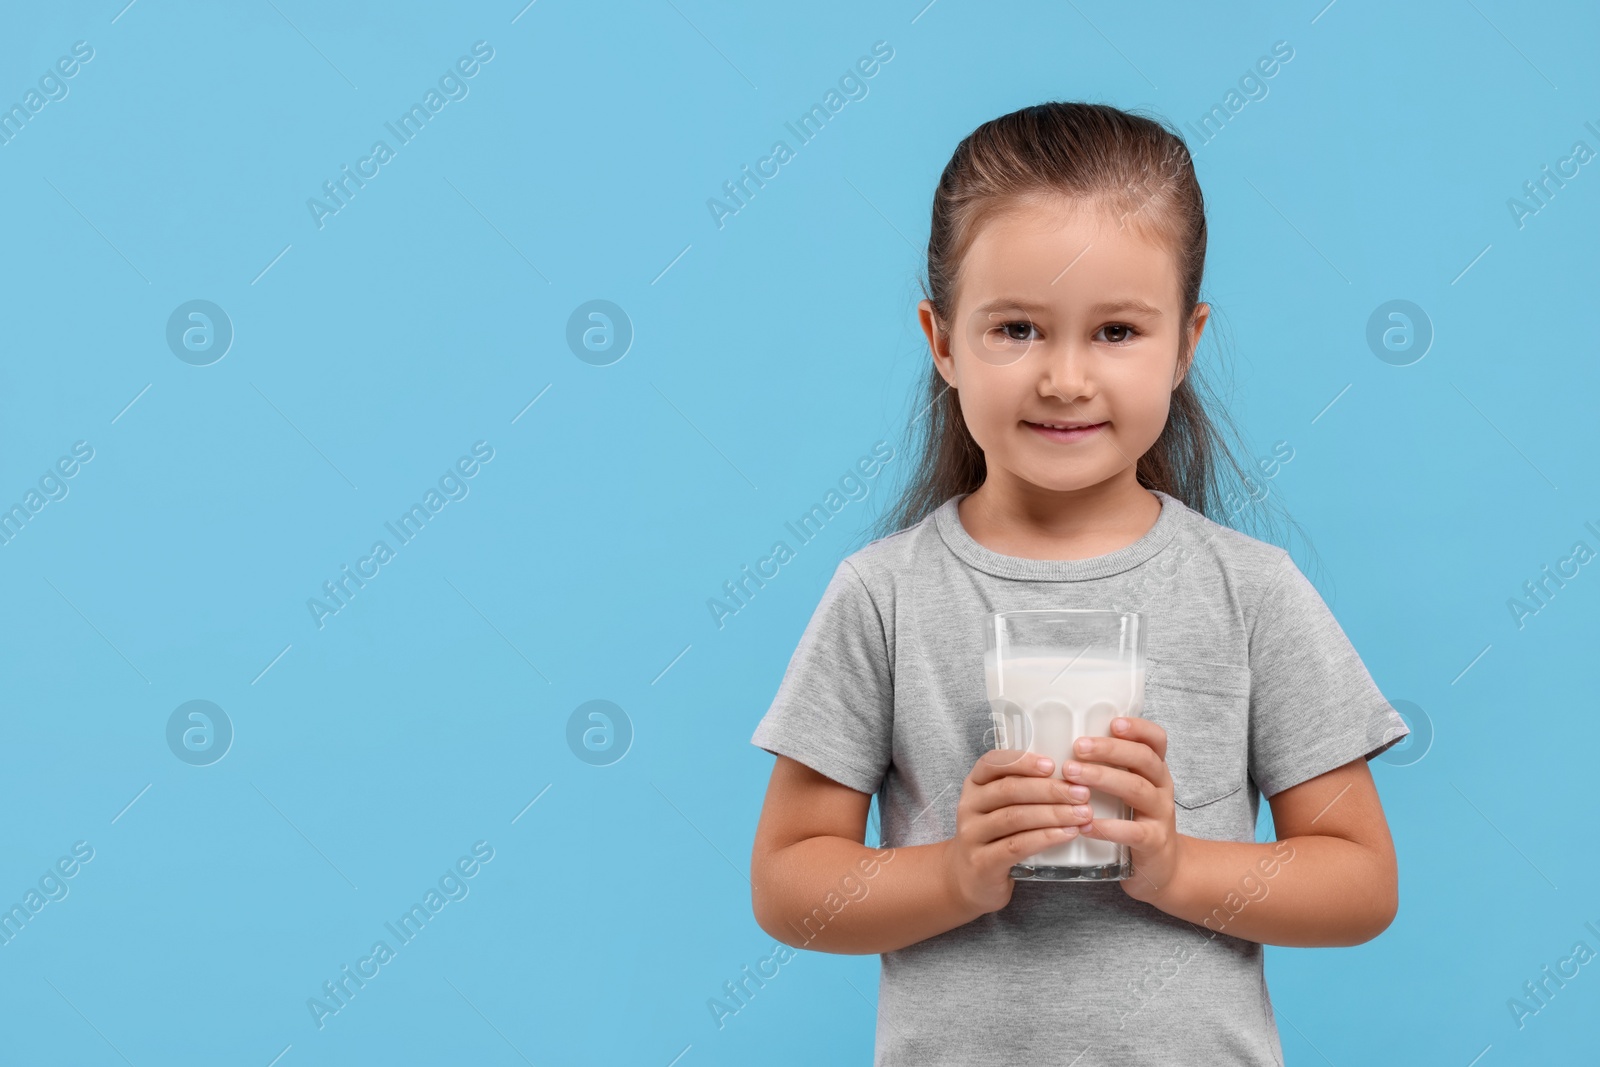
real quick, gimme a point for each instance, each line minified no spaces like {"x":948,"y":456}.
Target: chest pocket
{"x":1205,"y":709}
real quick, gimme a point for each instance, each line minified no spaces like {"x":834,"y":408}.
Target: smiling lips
{"x":1066,"y":432}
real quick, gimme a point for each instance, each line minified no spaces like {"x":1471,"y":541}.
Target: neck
{"x":1017,"y":518}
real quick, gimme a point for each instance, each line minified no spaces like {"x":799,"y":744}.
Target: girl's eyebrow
{"x":1127,"y":304}
{"x":1109,"y":307}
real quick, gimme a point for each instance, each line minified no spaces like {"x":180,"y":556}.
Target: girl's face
{"x":1063,"y":317}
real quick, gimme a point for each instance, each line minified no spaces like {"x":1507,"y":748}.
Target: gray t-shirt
{"x":1248,"y":672}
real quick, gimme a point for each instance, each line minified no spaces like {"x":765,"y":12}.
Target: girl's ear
{"x":1197,"y":325}
{"x":938,"y":341}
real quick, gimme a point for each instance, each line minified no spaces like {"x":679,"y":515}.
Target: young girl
{"x":1070,"y":464}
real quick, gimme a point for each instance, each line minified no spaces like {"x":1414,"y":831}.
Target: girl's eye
{"x":1127,"y":333}
{"x":1020,"y":330}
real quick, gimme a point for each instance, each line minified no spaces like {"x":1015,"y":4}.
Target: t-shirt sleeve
{"x":1313,"y":704}
{"x":835,"y":706}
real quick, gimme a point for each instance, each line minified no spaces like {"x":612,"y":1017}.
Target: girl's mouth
{"x":1066,"y":436}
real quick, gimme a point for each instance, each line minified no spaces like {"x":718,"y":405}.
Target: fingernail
{"x":1071,"y":770}
{"x":1044,"y":764}
{"x":1082,"y":811}
{"x":1078,"y":792}
{"x":1119,"y":725}
{"x":1085,"y":745}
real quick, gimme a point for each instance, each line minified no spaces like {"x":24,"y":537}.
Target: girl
{"x":1070,"y":463}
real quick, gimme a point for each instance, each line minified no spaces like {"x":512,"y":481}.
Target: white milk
{"x":1050,"y":699}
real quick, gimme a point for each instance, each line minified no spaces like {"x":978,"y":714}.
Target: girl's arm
{"x":1329,"y":879}
{"x":813,"y":884}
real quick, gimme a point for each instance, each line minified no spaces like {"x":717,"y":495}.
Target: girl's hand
{"x":1010,"y":808}
{"x":1131,"y":765}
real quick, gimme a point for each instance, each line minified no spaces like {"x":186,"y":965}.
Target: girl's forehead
{"x":1049,"y":255}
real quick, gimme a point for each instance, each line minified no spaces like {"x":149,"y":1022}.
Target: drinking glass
{"x":1053,"y":676}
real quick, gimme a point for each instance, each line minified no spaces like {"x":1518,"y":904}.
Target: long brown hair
{"x":1136,"y":167}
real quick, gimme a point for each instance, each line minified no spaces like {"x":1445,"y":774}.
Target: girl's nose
{"x":1064,"y":373}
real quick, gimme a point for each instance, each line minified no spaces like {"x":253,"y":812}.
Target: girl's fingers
{"x":1136,"y":789}
{"x":1120,"y":831}
{"x":1019,"y":818}
{"x":1019,"y":789}
{"x":1000,"y":762}
{"x":1134,"y":755}
{"x":1018,"y":847}
{"x":1143,"y":731}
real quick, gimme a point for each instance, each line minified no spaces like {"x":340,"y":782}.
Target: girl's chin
{"x":1057,"y":480}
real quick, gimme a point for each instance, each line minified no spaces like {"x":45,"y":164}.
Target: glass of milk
{"x":1054,"y":676}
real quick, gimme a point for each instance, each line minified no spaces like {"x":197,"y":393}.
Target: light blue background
{"x":768,"y":355}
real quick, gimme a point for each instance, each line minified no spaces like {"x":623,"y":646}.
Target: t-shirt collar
{"x":948,"y":522}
